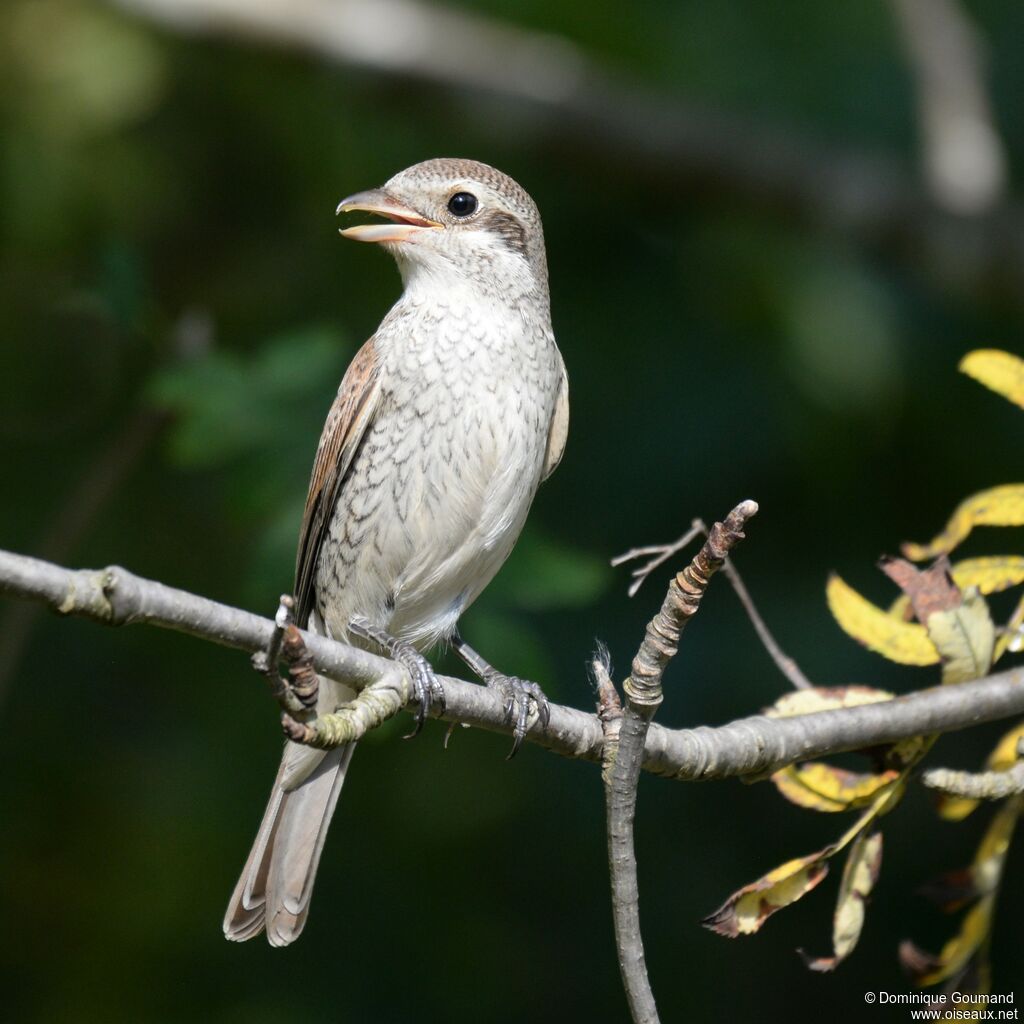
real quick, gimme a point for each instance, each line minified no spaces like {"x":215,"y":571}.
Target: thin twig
{"x":785,"y":664}
{"x":993,"y":785}
{"x":622,"y":774}
{"x":748,"y":747}
{"x":977,"y":785}
{"x":662,"y":552}
{"x":621,"y":780}
{"x":266,"y":662}
{"x":609,"y":709}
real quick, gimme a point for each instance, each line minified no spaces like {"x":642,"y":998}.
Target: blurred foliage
{"x":250,"y":418}
{"x":716,"y":350}
{"x":231,"y":409}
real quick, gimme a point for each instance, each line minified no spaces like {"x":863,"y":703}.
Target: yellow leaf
{"x":903,"y":642}
{"x":965,"y":638}
{"x":991,"y":574}
{"x":999,"y":506}
{"x":1000,"y":371}
{"x":987,"y":868}
{"x":748,"y":908}
{"x":955,"y":808}
{"x":824,"y":698}
{"x":957,"y":953}
{"x":821,"y":787}
{"x":1005,"y":753}
{"x":986,"y":873}
{"x":859,"y":876}
{"x":1012,"y":638}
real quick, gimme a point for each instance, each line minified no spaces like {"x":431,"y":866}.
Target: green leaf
{"x":228,"y":406}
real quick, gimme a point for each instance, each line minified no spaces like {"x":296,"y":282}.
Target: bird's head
{"x":456,"y":220}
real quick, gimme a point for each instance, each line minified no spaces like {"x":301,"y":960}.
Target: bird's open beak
{"x":405,"y":223}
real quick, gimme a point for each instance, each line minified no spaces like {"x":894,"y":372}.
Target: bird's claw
{"x":518,"y":694}
{"x":424,"y":683}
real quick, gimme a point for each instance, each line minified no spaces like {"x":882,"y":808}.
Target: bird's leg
{"x":517,"y":693}
{"x":424,"y":682}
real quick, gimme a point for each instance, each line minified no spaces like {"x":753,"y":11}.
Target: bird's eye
{"x":462,"y":204}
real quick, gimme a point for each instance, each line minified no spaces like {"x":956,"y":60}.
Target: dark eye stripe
{"x":510,"y":228}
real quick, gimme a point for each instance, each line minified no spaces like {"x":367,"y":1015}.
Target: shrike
{"x":445,"y":423}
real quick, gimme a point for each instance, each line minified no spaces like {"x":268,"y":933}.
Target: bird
{"x":445,"y":423}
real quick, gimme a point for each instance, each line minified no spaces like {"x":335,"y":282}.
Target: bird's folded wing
{"x":559,"y":429}
{"x":352,"y":412}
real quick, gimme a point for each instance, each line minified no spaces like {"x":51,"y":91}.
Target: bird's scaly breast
{"x":442,"y":484}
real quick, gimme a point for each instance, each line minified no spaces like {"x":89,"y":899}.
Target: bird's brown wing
{"x":559,"y":429}
{"x":352,"y":411}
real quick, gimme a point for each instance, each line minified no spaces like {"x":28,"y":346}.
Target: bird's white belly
{"x":462,"y":510}
{"x":437,"y":499}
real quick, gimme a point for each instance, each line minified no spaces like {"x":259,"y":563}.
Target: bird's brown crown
{"x":444,"y":169}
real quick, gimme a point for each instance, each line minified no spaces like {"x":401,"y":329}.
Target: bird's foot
{"x":427,"y":689}
{"x":518,"y":694}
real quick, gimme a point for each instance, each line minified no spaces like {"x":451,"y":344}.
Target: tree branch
{"x":991,"y":785}
{"x":977,"y":785}
{"x":749,"y":746}
{"x":643,"y":691}
{"x":576,"y":102}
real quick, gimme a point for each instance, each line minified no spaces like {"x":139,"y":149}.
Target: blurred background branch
{"x":962,"y":153}
{"x":95,"y":489}
{"x":867,"y":196}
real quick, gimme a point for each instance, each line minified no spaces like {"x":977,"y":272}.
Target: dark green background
{"x":718,"y":349}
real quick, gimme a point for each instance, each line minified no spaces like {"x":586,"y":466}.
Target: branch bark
{"x":570,"y":98}
{"x":749,"y":746}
